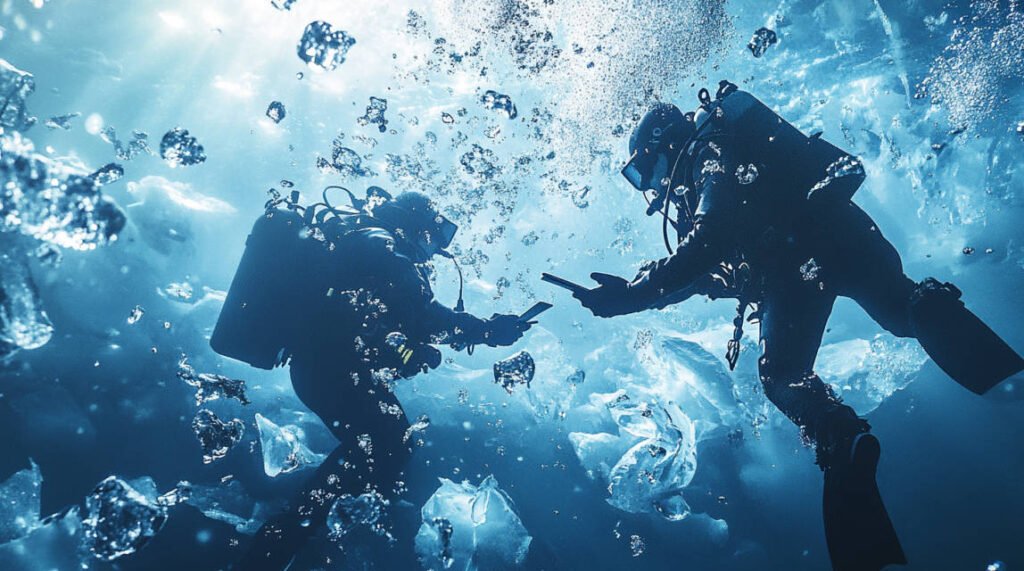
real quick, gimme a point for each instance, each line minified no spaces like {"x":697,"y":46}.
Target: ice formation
{"x":649,"y":462}
{"x":467,"y":527}
{"x":324,"y":47}
{"x":209,"y":386}
{"x":375,"y":114}
{"x":179,"y":149}
{"x":23,"y":321}
{"x":16,"y":85}
{"x":276,"y":111}
{"x":229,"y":503}
{"x":19,"y":503}
{"x":217,"y":437}
{"x":350,"y":512}
{"x":284,"y":449}
{"x":515,"y":370}
{"x":119,"y":520}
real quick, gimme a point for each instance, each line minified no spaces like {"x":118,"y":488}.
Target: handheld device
{"x":537,"y":309}
{"x":563,"y":283}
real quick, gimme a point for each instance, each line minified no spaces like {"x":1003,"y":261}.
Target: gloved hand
{"x":610,"y":298}
{"x":503,"y":330}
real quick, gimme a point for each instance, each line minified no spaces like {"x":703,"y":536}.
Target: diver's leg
{"x":858,"y":531}
{"x":871,"y":273}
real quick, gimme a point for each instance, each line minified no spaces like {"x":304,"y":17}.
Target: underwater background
{"x":513,"y":115}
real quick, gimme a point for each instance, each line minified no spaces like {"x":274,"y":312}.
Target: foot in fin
{"x":958,"y":341}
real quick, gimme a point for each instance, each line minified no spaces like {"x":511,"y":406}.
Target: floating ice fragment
{"x":136,"y":314}
{"x":23,"y":322}
{"x":496,"y":101}
{"x":276,"y":111}
{"x":809,"y":270}
{"x":344,"y":161}
{"x":61,"y":121}
{"x":469,"y":527}
{"x":762,"y":39}
{"x":711,"y":167}
{"x":350,"y":512}
{"x":746,"y":174}
{"x":209,"y":386}
{"x":19,"y":503}
{"x":108,"y":174}
{"x":866,"y":372}
{"x":515,"y":370}
{"x":53,"y":200}
{"x":216,"y":436}
{"x":15,"y":87}
{"x":651,"y":459}
{"x":375,"y":114}
{"x":530,"y":238}
{"x":137,"y":146}
{"x":230,"y":504}
{"x":323,"y":46}
{"x":179,"y":149}
{"x":179,"y":291}
{"x":119,"y":520}
{"x":283,"y":448}
{"x":577,"y":377}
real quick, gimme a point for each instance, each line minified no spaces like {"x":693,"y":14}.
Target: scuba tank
{"x":797,"y":166}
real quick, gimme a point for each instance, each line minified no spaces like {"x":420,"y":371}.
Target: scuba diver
{"x":343,"y":297}
{"x":764,"y":215}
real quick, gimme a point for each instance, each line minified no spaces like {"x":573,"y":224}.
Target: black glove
{"x":504,"y":330}
{"x":610,"y":298}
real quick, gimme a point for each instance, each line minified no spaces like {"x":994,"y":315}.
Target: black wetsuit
{"x":344,"y":371}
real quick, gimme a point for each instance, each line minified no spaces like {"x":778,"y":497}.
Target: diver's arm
{"x":686,"y":272}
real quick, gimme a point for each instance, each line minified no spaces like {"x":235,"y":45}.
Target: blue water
{"x":928,"y":94}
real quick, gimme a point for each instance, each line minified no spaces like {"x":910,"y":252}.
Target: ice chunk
{"x":648,"y":463}
{"x":344,"y":161}
{"x":209,"y":386}
{"x":19,"y":503}
{"x":496,"y":101}
{"x":470,"y":527}
{"x":119,"y":520}
{"x":179,"y":149}
{"x":351,"y":512}
{"x":216,"y":436}
{"x":276,"y":111}
{"x":323,"y":46}
{"x":55,"y":543}
{"x":179,"y":291}
{"x":746,"y":174}
{"x":375,"y":114}
{"x":283,"y":448}
{"x":866,"y":372}
{"x":107,"y":174}
{"x":809,"y":270}
{"x":135,"y":314}
{"x":515,"y":370}
{"x":230,"y":504}
{"x":53,"y":200}
{"x":61,"y":121}
{"x":137,"y":146}
{"x":23,"y":322}
{"x":762,"y":39}
{"x":16,"y":86}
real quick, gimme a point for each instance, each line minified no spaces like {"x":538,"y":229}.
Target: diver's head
{"x":654,"y":146}
{"x":416,"y":220}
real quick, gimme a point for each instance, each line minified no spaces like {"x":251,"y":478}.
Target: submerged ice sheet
{"x":469,"y":528}
{"x":284,"y":448}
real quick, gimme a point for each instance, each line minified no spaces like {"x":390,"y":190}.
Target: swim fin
{"x":958,"y":341}
{"x":858,"y":531}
